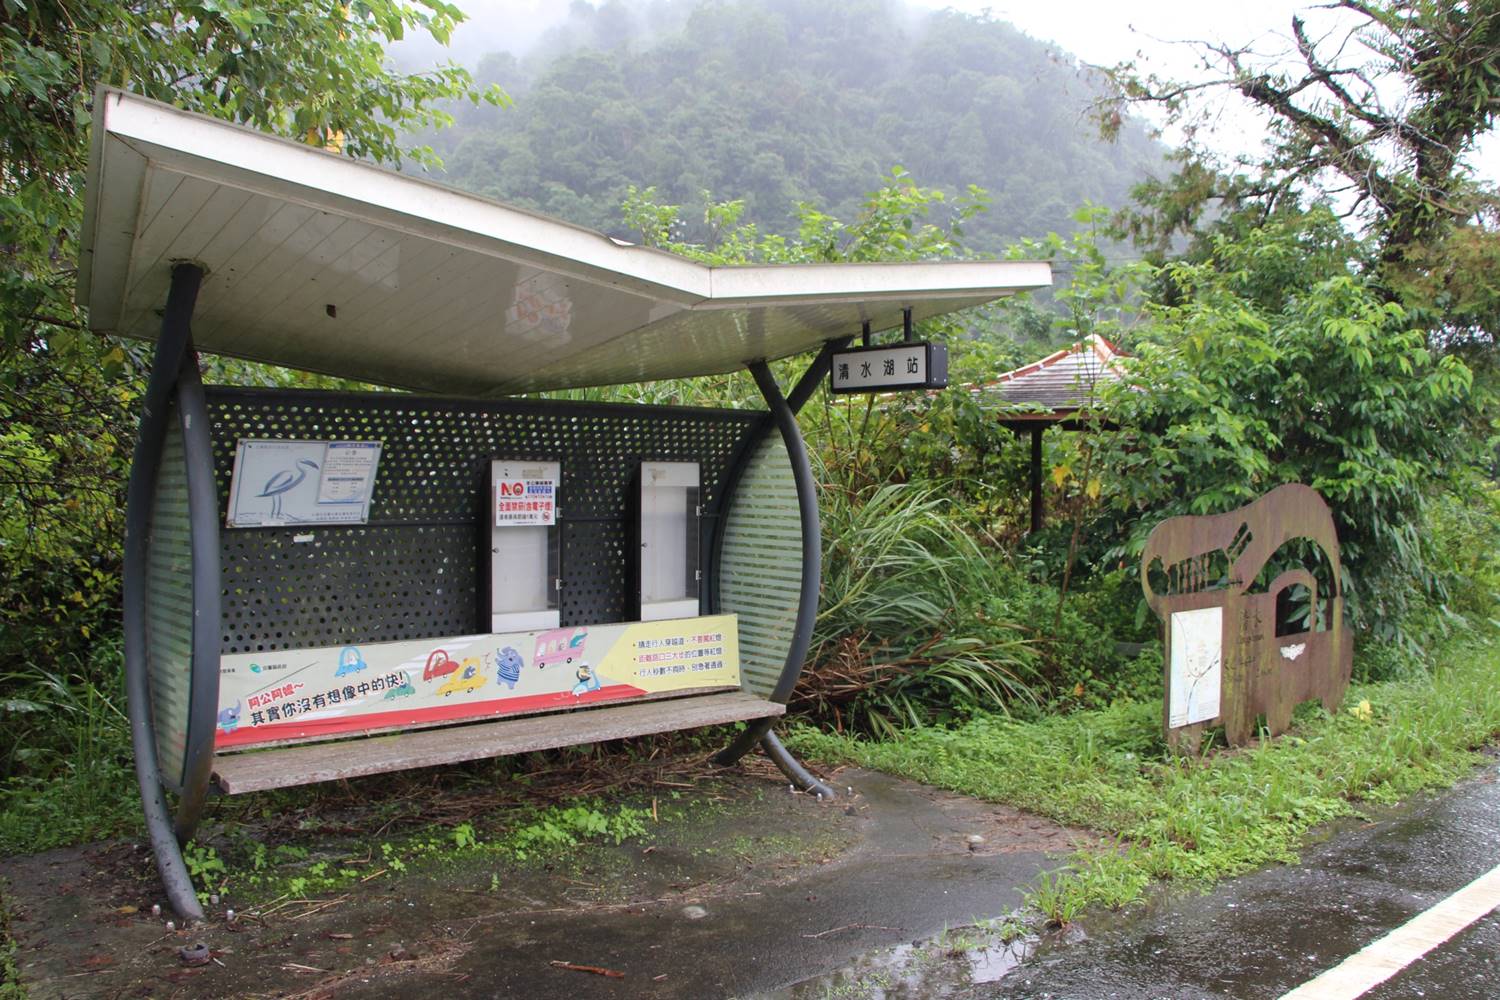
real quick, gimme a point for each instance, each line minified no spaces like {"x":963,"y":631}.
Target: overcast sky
{"x":1153,"y":33}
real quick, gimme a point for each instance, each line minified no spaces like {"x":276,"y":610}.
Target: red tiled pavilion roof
{"x":1062,"y":383}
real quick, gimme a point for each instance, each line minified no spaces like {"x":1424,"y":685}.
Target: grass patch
{"x":253,"y":872}
{"x":65,"y":772}
{"x":94,"y":800}
{"x":1199,"y":819}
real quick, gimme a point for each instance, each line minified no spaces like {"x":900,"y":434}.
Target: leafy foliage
{"x":1378,"y":106}
{"x":902,"y":637}
{"x":67,"y":760}
{"x":1277,"y":366}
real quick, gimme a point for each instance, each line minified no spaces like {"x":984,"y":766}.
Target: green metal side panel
{"x":760,"y":568}
{"x":169,"y":607}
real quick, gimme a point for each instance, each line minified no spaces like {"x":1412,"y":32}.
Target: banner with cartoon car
{"x":304,"y":694}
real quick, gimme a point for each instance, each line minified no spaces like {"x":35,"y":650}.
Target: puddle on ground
{"x":939,"y":967}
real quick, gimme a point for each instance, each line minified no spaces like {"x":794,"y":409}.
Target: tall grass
{"x":67,"y":762}
{"x":902,"y":635}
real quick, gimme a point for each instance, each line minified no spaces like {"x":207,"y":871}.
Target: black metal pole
{"x":170,"y":350}
{"x":812,"y":566}
{"x":1036,"y":478}
{"x":814,"y":376}
{"x":203,"y":519}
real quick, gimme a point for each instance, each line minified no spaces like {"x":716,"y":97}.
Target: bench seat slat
{"x":255,"y":771}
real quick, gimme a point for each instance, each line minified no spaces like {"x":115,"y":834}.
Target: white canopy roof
{"x":326,"y":263}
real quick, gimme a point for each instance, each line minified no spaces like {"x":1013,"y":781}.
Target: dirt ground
{"x":749,"y":888}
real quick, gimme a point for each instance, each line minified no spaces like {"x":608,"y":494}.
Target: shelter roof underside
{"x":320,"y":262}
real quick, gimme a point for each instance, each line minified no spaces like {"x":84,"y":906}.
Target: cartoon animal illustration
{"x":438,"y":665}
{"x":587,"y":680}
{"x":508,"y":664}
{"x":465,"y":682}
{"x":284,"y":482}
{"x":559,"y":645}
{"x":405,"y":688}
{"x":229,"y":718}
{"x":350,"y":662}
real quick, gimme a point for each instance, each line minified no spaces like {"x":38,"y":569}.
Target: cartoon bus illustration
{"x":560,"y":645}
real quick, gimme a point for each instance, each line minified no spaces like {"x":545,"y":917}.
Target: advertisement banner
{"x":313,"y":693}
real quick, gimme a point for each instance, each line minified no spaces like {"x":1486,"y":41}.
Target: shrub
{"x":903,"y":635}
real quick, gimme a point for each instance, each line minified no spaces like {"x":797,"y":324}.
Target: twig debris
{"x":594,"y":969}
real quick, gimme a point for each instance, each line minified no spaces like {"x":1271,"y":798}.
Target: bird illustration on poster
{"x":284,"y":481}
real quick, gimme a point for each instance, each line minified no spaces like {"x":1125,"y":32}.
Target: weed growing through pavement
{"x":11,"y":987}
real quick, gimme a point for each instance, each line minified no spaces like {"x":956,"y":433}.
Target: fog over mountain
{"x":777,"y":102}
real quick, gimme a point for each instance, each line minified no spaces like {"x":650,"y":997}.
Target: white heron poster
{"x":284,"y":483}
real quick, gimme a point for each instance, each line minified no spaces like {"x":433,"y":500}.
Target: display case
{"x":524,"y":545}
{"x":669,"y":573}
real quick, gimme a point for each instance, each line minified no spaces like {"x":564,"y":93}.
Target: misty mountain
{"x":786,"y":101}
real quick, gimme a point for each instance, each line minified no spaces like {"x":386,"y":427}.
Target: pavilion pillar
{"x":1036,"y":478}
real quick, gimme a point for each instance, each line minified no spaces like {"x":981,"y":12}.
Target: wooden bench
{"x":282,"y":767}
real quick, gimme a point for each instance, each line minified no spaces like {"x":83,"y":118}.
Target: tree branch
{"x":1327,"y":77}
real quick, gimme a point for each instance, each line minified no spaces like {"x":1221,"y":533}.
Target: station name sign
{"x":908,"y":365}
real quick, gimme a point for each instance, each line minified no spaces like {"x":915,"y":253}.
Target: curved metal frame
{"x":717,"y":517}
{"x":203,"y":515}
{"x":172,"y":351}
{"x":784,"y":416}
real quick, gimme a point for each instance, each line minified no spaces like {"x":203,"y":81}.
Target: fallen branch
{"x":851,"y":927}
{"x":593,"y":969}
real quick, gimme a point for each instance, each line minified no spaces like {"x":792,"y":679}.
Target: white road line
{"x":1382,"y":959}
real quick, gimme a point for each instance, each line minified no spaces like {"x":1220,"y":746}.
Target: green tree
{"x":1276,"y":365}
{"x":312,"y":69}
{"x":1377,"y":109}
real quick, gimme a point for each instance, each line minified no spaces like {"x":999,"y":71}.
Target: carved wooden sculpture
{"x":1225,"y":664}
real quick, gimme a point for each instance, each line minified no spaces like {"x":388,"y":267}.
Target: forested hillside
{"x":781,"y":101}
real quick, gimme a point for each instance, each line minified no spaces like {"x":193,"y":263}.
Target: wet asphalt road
{"x":1262,"y":935}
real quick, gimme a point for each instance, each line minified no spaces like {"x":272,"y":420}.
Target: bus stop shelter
{"x":325,"y":584}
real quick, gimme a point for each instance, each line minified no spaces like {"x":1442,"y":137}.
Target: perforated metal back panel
{"x":413,"y":570}
{"x":760,"y":569}
{"x":169,"y":606}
